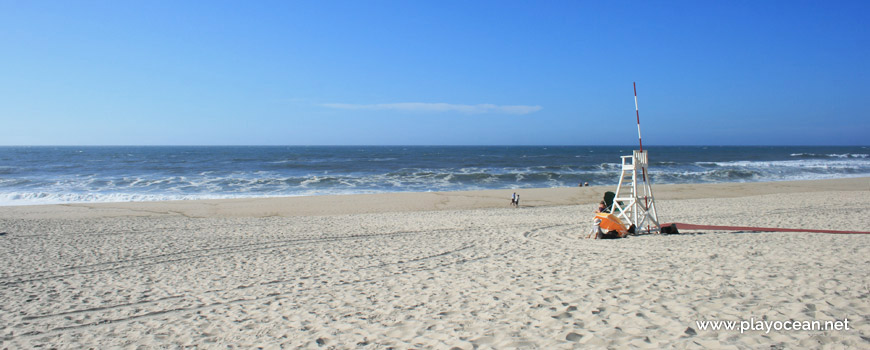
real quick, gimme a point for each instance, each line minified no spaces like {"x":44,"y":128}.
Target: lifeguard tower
{"x":634,"y":203}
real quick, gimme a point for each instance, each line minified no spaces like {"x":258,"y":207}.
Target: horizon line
{"x":423,"y":145}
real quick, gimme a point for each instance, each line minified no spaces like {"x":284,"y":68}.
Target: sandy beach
{"x":439,"y":270}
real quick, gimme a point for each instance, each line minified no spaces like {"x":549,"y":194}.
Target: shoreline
{"x":295,"y":206}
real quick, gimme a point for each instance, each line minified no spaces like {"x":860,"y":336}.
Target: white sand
{"x":416,"y":271}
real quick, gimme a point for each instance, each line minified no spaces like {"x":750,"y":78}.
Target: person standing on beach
{"x":514,"y":199}
{"x":517,"y":202}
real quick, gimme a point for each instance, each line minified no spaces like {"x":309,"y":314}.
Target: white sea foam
{"x":43,"y":198}
{"x":856,"y":164}
{"x":37,"y":198}
{"x":831,"y":155}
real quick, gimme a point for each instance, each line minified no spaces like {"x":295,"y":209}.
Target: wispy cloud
{"x":438,"y":107}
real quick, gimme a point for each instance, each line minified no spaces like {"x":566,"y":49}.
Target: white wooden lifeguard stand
{"x":634,"y":191}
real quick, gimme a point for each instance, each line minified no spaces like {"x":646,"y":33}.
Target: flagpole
{"x":637,"y":113}
{"x":639,"y":140}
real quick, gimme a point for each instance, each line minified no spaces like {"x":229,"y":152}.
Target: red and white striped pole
{"x":637,"y":112}
{"x":639,"y":140}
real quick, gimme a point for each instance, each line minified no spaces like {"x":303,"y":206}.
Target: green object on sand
{"x":608,"y":201}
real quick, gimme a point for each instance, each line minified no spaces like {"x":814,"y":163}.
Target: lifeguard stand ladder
{"x":638,"y":206}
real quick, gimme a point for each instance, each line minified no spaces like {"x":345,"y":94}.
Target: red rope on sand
{"x":680,"y":225}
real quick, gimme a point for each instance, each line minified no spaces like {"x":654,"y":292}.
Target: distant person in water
{"x":586,"y":184}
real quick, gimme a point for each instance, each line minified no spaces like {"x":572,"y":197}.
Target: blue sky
{"x":433,"y":72}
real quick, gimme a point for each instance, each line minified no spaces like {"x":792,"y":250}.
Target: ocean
{"x":43,"y":174}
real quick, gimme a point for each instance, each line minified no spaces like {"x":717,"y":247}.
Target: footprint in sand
{"x":573,"y":337}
